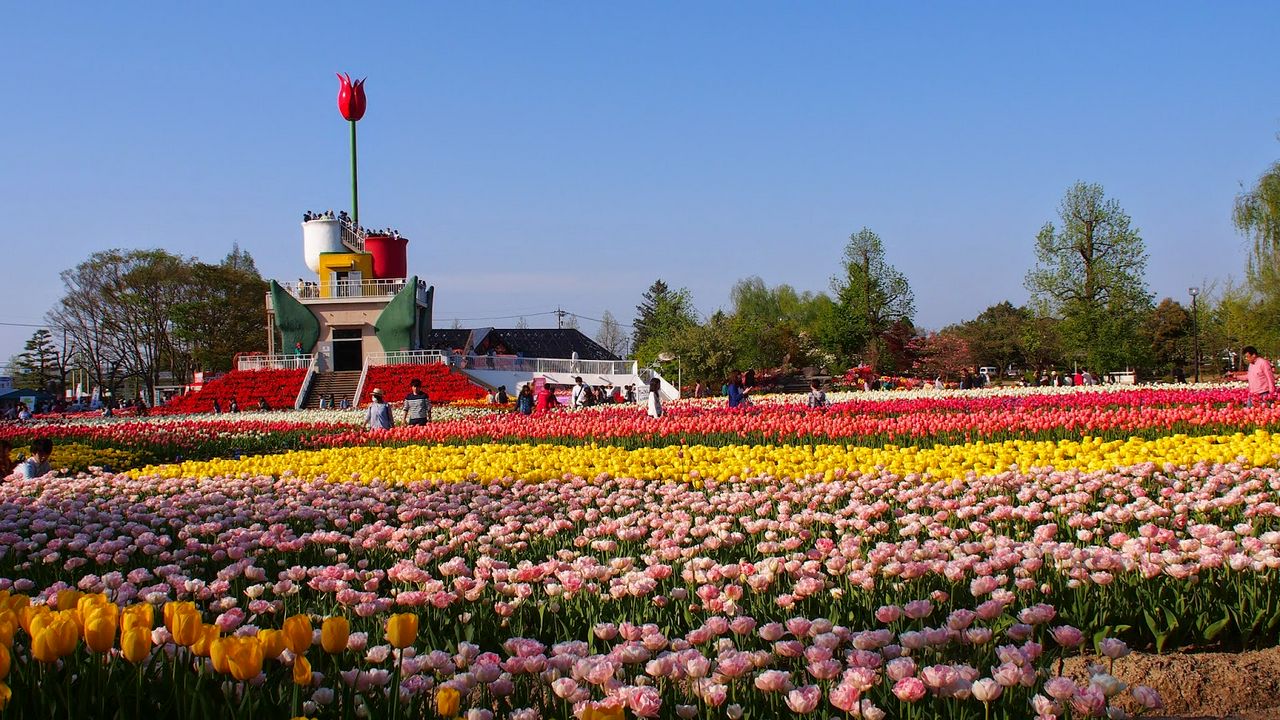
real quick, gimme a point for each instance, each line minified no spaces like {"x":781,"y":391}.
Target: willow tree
{"x":1257,"y":216}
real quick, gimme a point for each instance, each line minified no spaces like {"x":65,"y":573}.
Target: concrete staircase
{"x":340,"y":384}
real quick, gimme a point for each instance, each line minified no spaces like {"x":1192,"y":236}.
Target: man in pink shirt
{"x":1262,"y":379}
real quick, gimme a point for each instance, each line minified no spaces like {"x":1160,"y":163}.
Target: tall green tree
{"x":222,"y":313}
{"x":1090,"y":273}
{"x":997,"y":337}
{"x":705,"y":352}
{"x":1169,"y":328}
{"x":662,"y":314}
{"x":41,"y":364}
{"x":871,"y":297}
{"x":117,"y":311}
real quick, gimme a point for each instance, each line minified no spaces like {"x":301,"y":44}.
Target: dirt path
{"x":1204,"y":685}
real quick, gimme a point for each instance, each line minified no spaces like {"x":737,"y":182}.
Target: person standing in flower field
{"x":817,"y":398}
{"x":545,"y":399}
{"x":524,"y":399}
{"x":1262,"y":379}
{"x":737,"y":394}
{"x":655,"y":398}
{"x":378,"y":415}
{"x":417,"y":405}
{"x":581,"y":396}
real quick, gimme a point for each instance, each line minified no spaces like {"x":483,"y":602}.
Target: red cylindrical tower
{"x":390,"y":256}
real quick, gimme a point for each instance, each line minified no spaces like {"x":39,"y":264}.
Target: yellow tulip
{"x":8,"y":626}
{"x":302,"y":671}
{"x":92,"y":601}
{"x":27,"y":613}
{"x":334,"y":633}
{"x":173,"y":608}
{"x":17,"y":602}
{"x":135,"y":644}
{"x":207,"y":634}
{"x":5,"y":695}
{"x":58,"y":638}
{"x":245,"y":658}
{"x":5,"y":659}
{"x":185,"y":626}
{"x":297,"y":633}
{"x":67,"y":599}
{"x":218,"y":650}
{"x":100,"y":629}
{"x":273,"y":643}
{"x":447,"y":701}
{"x":402,"y":629}
{"x":141,"y":615}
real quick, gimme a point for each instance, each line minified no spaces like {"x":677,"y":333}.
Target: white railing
{"x":364,"y":373}
{"x":669,"y":392}
{"x":352,"y":236}
{"x":406,"y":357}
{"x":512,"y":363}
{"x":306,"y":383}
{"x":304,"y":290}
{"x":398,"y":357}
{"x":276,"y":362}
{"x":385,"y":288}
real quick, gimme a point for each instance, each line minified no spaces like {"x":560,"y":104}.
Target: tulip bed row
{"x":699,"y":464}
{"x":876,"y":592}
{"x":927,"y":420}
{"x":934,"y":555}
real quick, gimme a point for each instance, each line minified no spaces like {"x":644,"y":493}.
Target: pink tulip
{"x":804,"y":699}
{"x":644,"y":701}
{"x":1147,"y":697}
{"x":845,"y":697}
{"x":1067,"y":636}
{"x":986,"y":690}
{"x":909,"y":689}
{"x":773,"y":681}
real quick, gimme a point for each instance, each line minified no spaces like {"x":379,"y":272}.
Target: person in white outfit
{"x":655,"y":398}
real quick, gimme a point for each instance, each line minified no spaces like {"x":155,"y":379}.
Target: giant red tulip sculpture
{"x":351,"y":105}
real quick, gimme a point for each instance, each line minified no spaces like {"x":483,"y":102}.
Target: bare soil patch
{"x":1202,"y":685}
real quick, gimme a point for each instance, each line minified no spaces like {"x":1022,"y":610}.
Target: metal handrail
{"x":406,"y":357}
{"x":276,"y":362}
{"x":306,"y":382}
{"x":396,"y":357}
{"x":513,"y":363}
{"x":351,"y":236}
{"x":364,"y":374}
{"x":305,"y":290}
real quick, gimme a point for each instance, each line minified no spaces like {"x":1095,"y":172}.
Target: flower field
{"x":897,"y":555}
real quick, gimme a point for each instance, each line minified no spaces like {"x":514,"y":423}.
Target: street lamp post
{"x":1195,"y":328}
{"x":668,"y":357}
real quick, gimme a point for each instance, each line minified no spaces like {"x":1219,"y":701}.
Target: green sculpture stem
{"x":355,"y":194}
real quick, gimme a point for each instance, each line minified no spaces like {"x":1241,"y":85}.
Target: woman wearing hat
{"x":378,"y":415}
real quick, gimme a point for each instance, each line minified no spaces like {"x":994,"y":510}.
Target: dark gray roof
{"x":529,"y":342}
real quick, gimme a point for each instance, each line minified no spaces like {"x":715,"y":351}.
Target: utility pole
{"x":1195,"y":328}
{"x":560,"y":313}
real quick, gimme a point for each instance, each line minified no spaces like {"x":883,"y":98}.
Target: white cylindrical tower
{"x":320,"y":236}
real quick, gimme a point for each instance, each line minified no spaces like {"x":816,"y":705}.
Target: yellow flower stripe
{"x":453,"y":463}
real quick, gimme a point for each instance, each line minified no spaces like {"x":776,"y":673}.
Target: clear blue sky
{"x":567,"y":154}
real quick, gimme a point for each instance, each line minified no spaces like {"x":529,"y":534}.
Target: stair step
{"x":340,"y":384}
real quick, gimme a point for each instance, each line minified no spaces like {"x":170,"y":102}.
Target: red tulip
{"x":350,"y":97}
